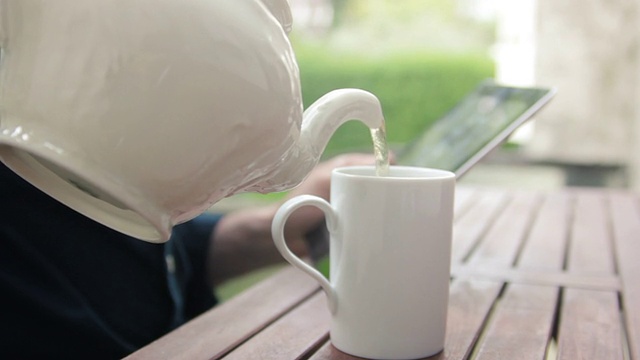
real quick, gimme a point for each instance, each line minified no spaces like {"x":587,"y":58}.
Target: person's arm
{"x":242,"y":240}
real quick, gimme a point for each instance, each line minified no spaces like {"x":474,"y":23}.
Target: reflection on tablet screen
{"x":477,"y":124}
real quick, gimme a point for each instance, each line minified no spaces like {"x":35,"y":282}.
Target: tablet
{"x":480,"y":122}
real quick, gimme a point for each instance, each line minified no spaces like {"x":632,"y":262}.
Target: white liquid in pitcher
{"x":380,"y":150}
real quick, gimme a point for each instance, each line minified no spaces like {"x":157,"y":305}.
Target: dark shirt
{"x":73,"y":288}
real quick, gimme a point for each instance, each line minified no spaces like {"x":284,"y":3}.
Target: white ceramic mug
{"x":389,"y":259}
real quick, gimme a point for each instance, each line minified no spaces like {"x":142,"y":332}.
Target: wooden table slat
{"x":533,"y":273}
{"x":534,"y":277}
{"x":464,"y":199}
{"x":292,"y":336}
{"x":522,"y":307}
{"x":470,"y":227}
{"x":329,"y":352}
{"x":469,"y":307}
{"x":590,"y":247}
{"x":501,"y":244}
{"x":590,"y":325}
{"x":216,"y":332}
{"x":546,"y":246}
{"x":626,"y":228}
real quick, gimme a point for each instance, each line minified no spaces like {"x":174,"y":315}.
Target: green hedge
{"x":414,"y":89}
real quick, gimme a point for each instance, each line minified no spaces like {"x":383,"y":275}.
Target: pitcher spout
{"x":319,"y":123}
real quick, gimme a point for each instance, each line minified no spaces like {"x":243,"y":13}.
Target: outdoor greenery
{"x":419,"y":57}
{"x":414,"y":88}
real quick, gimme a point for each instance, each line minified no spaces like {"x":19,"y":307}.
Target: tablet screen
{"x":477,"y":124}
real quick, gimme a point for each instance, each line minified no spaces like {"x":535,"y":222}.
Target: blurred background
{"x":422,"y":56}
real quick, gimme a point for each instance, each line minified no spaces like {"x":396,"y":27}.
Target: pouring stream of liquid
{"x":380,"y":150}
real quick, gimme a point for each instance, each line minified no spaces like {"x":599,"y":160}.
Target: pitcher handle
{"x":277,"y":231}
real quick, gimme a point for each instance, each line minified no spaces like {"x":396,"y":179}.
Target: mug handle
{"x":277,"y":231}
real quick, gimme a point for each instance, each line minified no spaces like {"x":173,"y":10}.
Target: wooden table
{"x":534,"y":274}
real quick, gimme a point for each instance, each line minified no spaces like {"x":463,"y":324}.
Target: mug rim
{"x":396,"y":173}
